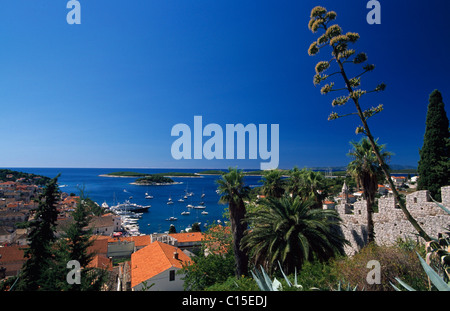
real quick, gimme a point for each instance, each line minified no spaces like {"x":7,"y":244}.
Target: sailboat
{"x":188,"y":194}
{"x":170,"y":201}
{"x":148,"y":196}
{"x":172,"y":218}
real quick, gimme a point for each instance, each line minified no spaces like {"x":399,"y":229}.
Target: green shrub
{"x":395,"y":261}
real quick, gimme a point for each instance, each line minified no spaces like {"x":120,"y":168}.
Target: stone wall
{"x":390,"y":222}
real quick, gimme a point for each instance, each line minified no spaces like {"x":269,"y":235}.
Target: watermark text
{"x":213,"y":148}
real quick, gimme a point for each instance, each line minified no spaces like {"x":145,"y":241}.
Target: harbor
{"x":189,"y":196}
{"x":148,"y":209}
{"x":131,"y":213}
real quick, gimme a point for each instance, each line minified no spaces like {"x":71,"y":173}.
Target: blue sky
{"x":107,"y":93}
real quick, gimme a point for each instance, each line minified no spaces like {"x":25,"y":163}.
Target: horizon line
{"x":184,"y":168}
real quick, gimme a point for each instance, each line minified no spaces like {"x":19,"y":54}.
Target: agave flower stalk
{"x":339,"y":42}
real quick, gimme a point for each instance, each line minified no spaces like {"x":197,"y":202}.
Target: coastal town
{"x":112,"y":240}
{"x":132,"y":260}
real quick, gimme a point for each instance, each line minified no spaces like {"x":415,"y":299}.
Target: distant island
{"x":157,"y":179}
{"x":154,"y":180}
{"x":249,"y":173}
{"x":135,"y":174}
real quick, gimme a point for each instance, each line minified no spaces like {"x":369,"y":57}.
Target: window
{"x":172,"y":275}
{"x":415,"y":200}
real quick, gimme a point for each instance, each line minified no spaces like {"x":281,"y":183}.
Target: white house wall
{"x":162,"y":282}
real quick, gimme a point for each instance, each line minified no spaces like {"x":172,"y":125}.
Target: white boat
{"x":132,"y":216}
{"x":204,"y":213}
{"x":200,"y":207}
{"x":130,"y":207}
{"x":129,"y":222}
{"x":131,"y":227}
{"x":170,"y":202}
{"x":190,"y":206}
{"x":180,"y":200}
{"x":203,"y":195}
{"x":105,"y":205}
{"x":185,"y":213}
{"x":147,"y":195}
{"x":172,"y":218}
{"x":127,"y":214}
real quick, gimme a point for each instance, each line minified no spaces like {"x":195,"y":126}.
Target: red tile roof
{"x":102,"y":262}
{"x":99,"y":246}
{"x":154,"y":259}
{"x":187,"y":237}
{"x":12,"y":253}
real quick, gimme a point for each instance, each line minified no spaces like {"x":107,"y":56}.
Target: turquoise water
{"x":113,"y":190}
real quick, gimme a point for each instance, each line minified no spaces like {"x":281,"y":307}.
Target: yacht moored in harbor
{"x":131,"y":207}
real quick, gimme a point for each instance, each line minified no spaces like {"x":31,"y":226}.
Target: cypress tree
{"x":40,"y":253}
{"x":74,"y":245}
{"x":434,"y":160}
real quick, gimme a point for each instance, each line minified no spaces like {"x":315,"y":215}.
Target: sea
{"x":114,"y":190}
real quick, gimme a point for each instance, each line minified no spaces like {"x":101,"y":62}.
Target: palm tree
{"x":312,"y":186}
{"x":366,"y":170}
{"x":233,"y":191}
{"x":289,"y":231}
{"x":293,"y":184}
{"x":273,"y":184}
